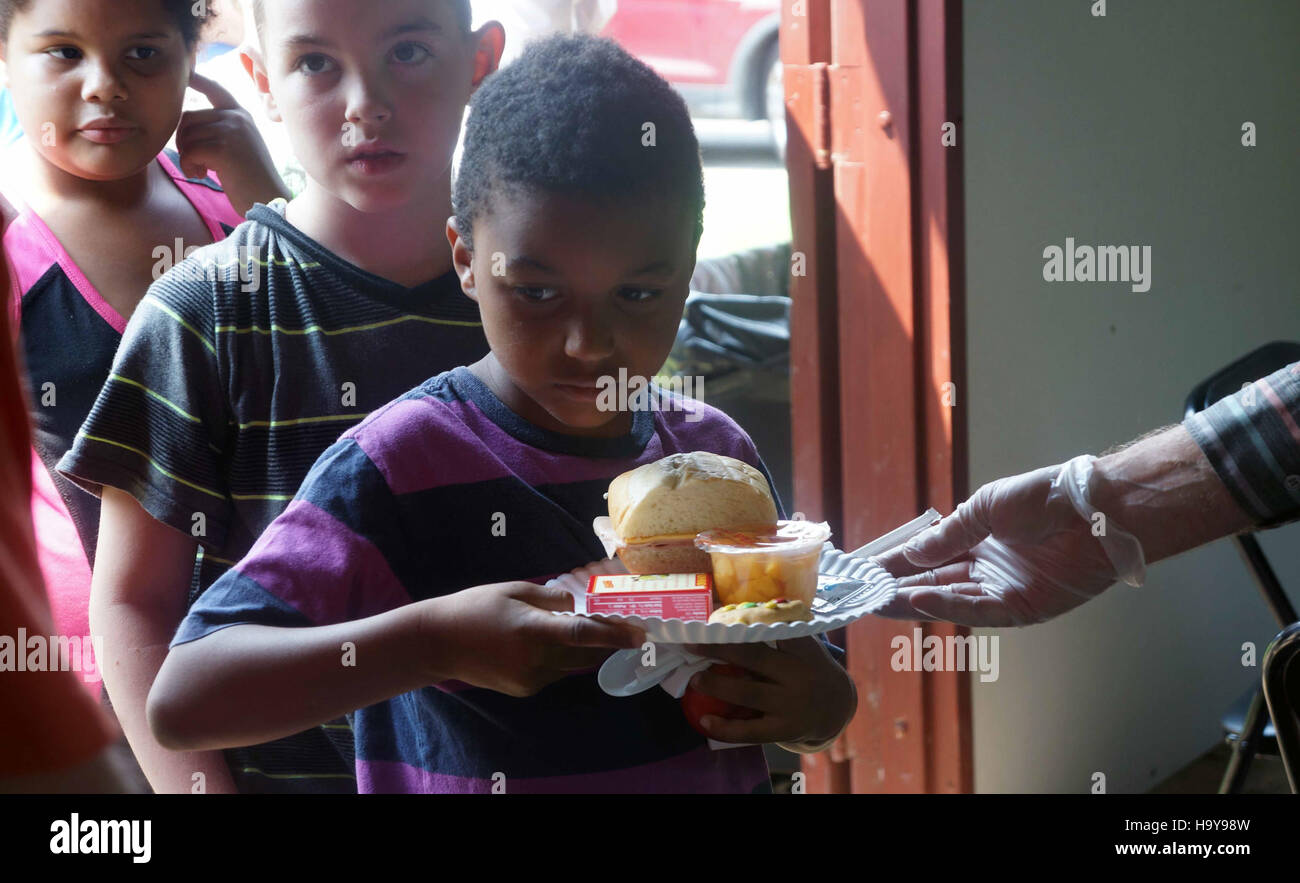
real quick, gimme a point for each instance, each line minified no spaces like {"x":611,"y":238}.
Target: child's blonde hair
{"x":464,"y":16}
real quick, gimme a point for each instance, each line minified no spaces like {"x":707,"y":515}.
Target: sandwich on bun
{"x":656,"y":510}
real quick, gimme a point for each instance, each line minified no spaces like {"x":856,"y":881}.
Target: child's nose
{"x":101,"y":83}
{"x":589,"y":339}
{"x":367,"y":105}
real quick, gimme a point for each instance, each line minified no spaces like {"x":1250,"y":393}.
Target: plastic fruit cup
{"x":765,"y":562}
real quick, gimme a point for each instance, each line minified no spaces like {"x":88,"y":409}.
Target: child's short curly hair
{"x":184,"y":12}
{"x":577,"y":115}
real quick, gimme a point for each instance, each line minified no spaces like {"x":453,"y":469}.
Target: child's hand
{"x":226,"y":139}
{"x":504,"y":637}
{"x":805,"y":698}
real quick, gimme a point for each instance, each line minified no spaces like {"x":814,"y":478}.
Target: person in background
{"x":463,"y":672}
{"x":529,"y":20}
{"x":225,"y":29}
{"x":97,"y":195}
{"x":246,"y":362}
{"x":229,"y":60}
{"x":1030,"y":547}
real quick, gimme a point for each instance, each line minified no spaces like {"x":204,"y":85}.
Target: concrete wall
{"x":1123,"y":130}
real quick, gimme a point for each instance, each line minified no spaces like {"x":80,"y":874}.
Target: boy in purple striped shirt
{"x":400,"y":585}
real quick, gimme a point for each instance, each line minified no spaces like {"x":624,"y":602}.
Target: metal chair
{"x":1247,"y":725}
{"x":1282,"y":690}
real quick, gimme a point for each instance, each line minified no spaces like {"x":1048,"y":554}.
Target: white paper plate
{"x":881,"y":588}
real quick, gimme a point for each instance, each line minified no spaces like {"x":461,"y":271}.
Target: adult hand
{"x":1016,"y":553}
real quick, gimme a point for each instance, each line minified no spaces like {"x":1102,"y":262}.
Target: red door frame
{"x":876,"y":331}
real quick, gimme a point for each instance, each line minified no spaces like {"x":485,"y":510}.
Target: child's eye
{"x":64,"y":53}
{"x":639,"y":295}
{"x":146,"y":53}
{"x":536,"y":295}
{"x":314,"y":64}
{"x":410,"y":53}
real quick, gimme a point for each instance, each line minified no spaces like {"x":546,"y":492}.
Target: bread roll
{"x":657,"y":509}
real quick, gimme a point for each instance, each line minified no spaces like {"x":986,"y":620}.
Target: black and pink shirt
{"x":70,"y":334}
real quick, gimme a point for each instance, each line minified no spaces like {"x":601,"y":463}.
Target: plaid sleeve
{"x":1252,"y":439}
{"x":159,"y":427}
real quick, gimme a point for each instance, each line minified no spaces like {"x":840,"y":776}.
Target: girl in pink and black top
{"x":103,"y":209}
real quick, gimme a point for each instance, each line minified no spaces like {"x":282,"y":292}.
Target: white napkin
{"x":624,"y":675}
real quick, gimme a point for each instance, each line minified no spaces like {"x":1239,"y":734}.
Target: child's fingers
{"x":553,"y":598}
{"x":215,"y":92}
{"x":807,"y":648}
{"x":193,"y":118}
{"x":748,"y":692}
{"x":219,"y":133}
{"x":192,"y":168}
{"x":757,"y":658}
{"x":760,"y":730}
{"x":578,"y":631}
{"x":199,"y":149}
{"x":197,"y":159}
{"x":581,"y":631}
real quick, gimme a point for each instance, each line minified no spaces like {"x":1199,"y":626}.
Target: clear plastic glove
{"x":1021,"y":550}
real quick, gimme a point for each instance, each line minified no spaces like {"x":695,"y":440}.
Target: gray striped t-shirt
{"x":237,"y":370}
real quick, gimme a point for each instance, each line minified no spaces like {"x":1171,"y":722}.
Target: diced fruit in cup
{"x":757,"y":577}
{"x":723,"y":570}
{"x":764,"y":587}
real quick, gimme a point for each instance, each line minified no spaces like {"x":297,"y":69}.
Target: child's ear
{"x":462,"y":258}
{"x":490,"y":42}
{"x":255,"y":66}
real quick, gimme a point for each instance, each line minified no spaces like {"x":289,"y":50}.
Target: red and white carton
{"x":687,"y":596}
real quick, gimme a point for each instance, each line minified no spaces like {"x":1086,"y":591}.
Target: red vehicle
{"x":720,"y":54}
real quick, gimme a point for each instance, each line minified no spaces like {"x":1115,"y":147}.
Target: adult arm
{"x":1018,"y":552}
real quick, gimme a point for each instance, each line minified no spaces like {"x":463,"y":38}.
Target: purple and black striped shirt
{"x":443,"y":489}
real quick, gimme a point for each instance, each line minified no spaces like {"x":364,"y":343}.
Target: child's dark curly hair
{"x":183,"y":12}
{"x":579,"y":115}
